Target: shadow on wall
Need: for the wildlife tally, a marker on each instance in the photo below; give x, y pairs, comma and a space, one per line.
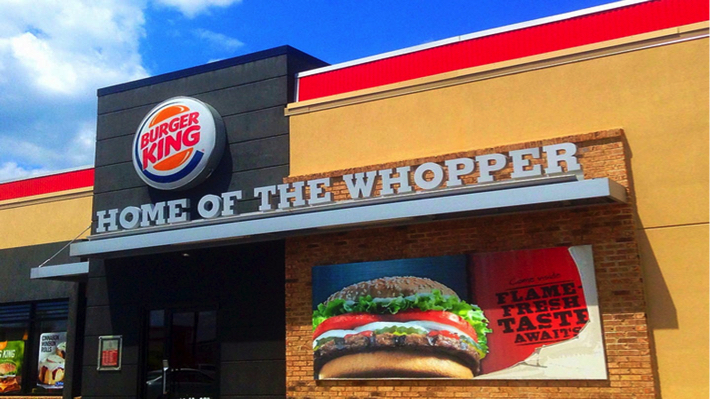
661, 312
660, 299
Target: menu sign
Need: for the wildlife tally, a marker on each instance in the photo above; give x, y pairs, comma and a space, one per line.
52, 355
526, 314
110, 352
11, 355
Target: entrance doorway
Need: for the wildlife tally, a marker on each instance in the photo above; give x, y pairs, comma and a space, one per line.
181, 354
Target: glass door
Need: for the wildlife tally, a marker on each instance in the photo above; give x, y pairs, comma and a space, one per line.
181, 354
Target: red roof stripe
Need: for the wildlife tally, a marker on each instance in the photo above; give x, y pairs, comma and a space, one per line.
47, 184
576, 31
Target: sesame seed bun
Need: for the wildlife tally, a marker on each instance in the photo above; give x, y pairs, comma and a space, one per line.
392, 286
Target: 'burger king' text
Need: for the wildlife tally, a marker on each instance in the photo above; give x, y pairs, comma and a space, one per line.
174, 135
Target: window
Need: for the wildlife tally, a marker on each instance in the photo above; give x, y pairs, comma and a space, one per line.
33, 347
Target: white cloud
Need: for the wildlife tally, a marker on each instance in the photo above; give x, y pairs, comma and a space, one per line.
80, 150
70, 149
70, 48
54, 55
12, 171
218, 41
191, 8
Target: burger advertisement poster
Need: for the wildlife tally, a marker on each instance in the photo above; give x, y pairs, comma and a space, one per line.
526, 314
52, 353
12, 353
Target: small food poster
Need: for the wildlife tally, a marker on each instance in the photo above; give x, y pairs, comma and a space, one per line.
11, 356
52, 353
110, 353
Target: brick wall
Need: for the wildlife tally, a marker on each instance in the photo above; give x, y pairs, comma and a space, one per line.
609, 228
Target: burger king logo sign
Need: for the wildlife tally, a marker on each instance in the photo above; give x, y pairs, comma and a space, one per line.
178, 144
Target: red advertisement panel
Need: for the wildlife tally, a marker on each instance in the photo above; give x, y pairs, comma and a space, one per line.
532, 298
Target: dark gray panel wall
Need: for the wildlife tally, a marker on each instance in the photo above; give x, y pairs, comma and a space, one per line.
17, 262
246, 285
250, 97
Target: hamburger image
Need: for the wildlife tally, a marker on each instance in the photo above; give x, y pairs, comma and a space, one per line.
8, 368
8, 377
398, 327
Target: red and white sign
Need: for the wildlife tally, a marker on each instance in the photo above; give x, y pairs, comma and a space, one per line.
543, 310
178, 144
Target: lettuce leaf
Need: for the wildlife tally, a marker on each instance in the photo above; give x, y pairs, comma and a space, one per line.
424, 301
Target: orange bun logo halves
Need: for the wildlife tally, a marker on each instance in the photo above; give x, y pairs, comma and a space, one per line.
178, 144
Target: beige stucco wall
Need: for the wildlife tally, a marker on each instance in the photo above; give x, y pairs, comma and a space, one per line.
43, 219
658, 95
676, 280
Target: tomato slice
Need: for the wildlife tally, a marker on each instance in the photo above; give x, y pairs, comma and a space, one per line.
353, 320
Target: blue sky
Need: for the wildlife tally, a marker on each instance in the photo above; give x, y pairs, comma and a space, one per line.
54, 55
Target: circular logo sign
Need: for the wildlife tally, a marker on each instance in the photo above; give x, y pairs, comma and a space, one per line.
178, 144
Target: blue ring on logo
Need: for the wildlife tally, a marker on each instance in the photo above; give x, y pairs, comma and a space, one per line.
175, 177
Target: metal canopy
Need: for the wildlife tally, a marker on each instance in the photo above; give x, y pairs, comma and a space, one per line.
72, 271
511, 196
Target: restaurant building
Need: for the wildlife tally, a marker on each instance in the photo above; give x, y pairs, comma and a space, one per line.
520, 212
